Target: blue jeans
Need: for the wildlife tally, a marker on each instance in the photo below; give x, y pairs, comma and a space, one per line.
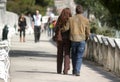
50, 32
78, 49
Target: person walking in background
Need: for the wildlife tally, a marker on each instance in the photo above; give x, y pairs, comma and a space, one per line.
37, 21
50, 27
50, 24
54, 25
79, 33
63, 42
22, 26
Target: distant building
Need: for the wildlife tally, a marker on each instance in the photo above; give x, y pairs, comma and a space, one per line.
60, 4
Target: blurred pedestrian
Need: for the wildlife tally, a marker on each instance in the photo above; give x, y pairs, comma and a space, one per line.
54, 25
63, 42
79, 33
50, 24
37, 21
22, 26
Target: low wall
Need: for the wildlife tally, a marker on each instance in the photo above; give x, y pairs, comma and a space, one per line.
105, 51
9, 19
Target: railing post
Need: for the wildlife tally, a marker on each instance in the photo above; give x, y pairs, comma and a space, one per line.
117, 56
111, 54
105, 52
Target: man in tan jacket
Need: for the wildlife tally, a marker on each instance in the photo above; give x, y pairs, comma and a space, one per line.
79, 33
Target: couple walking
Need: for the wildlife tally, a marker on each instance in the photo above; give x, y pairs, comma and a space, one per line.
70, 34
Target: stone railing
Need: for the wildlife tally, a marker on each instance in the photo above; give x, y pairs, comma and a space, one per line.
105, 51
10, 19
7, 18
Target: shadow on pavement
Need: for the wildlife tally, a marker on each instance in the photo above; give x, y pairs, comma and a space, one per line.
97, 68
52, 42
100, 70
20, 53
38, 72
42, 72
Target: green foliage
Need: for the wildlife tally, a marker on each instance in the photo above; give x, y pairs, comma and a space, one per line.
28, 6
44, 3
113, 7
107, 11
105, 30
94, 27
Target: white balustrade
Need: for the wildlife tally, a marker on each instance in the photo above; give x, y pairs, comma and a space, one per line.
105, 51
4, 60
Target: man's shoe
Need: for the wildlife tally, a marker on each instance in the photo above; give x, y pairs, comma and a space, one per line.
77, 74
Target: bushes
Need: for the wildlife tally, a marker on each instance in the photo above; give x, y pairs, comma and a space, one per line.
104, 30
28, 6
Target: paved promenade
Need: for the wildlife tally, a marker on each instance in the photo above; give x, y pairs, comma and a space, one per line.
36, 62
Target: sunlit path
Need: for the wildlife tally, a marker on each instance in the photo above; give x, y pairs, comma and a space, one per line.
36, 62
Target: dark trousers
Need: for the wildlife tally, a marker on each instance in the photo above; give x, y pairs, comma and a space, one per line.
22, 32
37, 33
63, 52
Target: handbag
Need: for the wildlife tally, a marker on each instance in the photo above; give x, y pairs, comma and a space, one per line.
51, 25
18, 29
57, 36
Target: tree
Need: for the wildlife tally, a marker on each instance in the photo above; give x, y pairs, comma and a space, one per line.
28, 6
107, 11
113, 7
44, 3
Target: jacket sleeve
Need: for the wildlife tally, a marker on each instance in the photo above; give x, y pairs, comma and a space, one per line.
66, 27
87, 30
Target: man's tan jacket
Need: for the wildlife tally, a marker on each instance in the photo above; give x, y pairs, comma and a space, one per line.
79, 28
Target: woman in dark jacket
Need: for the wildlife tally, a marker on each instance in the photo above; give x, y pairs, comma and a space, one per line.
63, 42
22, 26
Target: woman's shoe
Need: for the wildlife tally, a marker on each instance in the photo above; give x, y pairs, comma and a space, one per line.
65, 73
58, 72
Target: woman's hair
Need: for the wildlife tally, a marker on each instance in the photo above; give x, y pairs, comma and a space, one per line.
21, 17
79, 9
63, 18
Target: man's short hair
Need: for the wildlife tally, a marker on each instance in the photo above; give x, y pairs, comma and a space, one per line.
79, 9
